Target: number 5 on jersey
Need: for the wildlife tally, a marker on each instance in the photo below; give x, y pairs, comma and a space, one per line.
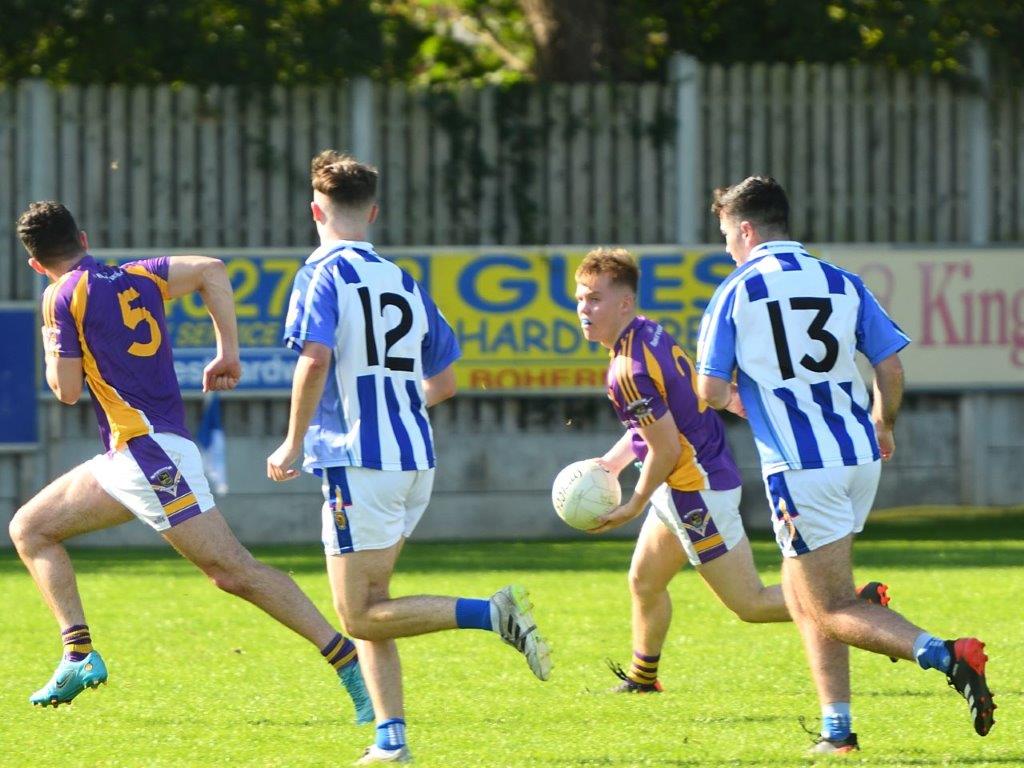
132, 316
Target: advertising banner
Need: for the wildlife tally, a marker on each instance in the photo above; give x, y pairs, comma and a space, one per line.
963, 309
513, 310
19, 421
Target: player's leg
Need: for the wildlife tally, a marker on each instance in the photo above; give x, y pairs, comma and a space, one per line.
72, 505
166, 487
828, 661
360, 581
823, 581
657, 558
811, 511
161, 480
709, 526
817, 514
208, 542
734, 579
367, 516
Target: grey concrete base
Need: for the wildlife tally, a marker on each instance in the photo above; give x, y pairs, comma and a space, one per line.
493, 479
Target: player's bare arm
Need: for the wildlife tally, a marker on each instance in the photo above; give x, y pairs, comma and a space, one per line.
619, 456
888, 389
209, 278
65, 378
718, 393
307, 388
662, 438
439, 387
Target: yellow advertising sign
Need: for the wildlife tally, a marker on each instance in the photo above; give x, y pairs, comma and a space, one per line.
514, 310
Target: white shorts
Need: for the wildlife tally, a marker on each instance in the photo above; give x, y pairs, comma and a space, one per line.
371, 508
814, 507
158, 477
708, 523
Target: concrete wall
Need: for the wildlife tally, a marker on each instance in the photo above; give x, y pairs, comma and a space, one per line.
497, 459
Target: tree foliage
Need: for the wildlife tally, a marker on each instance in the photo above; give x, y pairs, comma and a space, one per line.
197, 41
310, 41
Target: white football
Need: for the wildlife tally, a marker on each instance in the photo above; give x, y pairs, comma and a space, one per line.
582, 492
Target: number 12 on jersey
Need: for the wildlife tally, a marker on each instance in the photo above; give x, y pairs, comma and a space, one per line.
392, 336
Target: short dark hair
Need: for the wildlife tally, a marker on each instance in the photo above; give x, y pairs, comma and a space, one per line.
344, 179
618, 263
49, 232
760, 200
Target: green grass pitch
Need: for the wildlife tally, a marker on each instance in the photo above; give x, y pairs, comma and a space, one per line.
202, 679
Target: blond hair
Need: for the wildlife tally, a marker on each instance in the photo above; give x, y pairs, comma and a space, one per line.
618, 263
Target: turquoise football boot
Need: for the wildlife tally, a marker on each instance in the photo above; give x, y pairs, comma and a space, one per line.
70, 679
352, 678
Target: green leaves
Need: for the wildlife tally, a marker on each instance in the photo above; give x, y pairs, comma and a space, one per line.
425, 41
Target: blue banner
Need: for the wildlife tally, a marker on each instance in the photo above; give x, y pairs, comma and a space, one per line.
19, 425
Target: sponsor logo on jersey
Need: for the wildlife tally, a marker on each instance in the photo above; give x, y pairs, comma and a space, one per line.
111, 276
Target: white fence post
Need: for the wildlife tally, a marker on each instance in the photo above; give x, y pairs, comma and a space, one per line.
362, 121
979, 145
37, 129
684, 73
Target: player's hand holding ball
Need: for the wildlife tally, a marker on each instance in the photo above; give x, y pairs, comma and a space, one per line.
585, 491
621, 515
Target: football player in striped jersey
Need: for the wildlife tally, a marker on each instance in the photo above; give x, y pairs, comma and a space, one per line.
374, 354
789, 326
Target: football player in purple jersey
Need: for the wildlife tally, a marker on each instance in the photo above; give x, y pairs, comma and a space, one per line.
104, 326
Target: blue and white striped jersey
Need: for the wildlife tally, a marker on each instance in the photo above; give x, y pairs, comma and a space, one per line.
387, 336
792, 324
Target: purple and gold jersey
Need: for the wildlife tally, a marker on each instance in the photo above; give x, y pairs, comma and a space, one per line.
649, 376
113, 318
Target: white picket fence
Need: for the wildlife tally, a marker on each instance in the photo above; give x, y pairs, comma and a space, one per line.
866, 154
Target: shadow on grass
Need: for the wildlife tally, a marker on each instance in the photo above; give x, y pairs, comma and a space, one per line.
913, 540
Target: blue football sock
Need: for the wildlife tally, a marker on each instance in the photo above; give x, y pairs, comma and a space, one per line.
836, 720
473, 614
931, 653
391, 734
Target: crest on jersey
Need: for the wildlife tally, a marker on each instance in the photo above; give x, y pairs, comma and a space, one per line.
165, 480
338, 509
640, 408
696, 520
